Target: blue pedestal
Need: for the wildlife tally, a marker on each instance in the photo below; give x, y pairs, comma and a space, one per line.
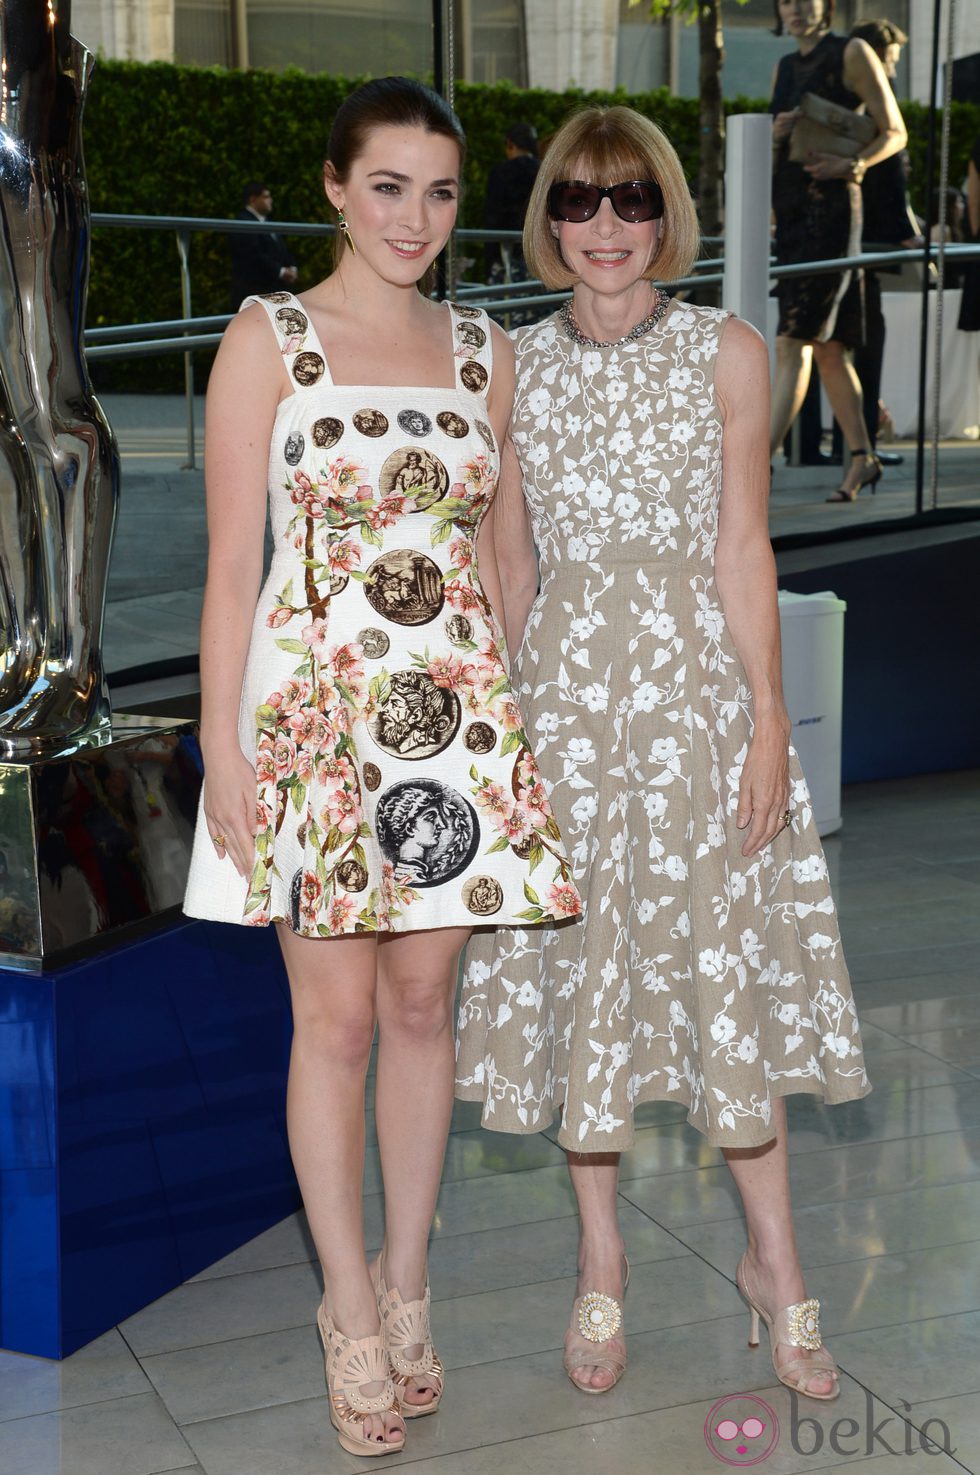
142, 1128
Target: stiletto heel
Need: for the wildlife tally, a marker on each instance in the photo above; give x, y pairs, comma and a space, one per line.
596, 1319
794, 1326
843, 494
406, 1324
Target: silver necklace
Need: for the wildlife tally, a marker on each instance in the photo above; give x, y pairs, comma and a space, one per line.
571, 327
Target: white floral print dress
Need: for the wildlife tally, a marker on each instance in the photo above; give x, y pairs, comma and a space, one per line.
395, 786
694, 974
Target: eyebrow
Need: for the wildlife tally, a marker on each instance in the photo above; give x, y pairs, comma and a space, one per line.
406, 178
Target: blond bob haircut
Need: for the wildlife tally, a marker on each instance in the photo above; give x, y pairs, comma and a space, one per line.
607, 146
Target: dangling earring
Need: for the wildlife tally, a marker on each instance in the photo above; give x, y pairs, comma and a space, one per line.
345, 228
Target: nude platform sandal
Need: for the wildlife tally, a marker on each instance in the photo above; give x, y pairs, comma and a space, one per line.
596, 1319
406, 1324
349, 1364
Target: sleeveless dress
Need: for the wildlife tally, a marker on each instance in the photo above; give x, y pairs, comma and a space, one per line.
396, 788
816, 220
696, 975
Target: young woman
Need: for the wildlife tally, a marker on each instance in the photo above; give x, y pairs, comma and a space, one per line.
818, 216
707, 969
358, 727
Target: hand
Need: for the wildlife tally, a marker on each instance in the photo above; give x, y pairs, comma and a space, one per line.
230, 806
782, 124
828, 166
763, 795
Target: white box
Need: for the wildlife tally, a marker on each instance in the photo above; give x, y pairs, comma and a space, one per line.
812, 631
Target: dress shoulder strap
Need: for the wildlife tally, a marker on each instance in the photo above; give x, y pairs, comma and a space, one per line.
472, 349
302, 352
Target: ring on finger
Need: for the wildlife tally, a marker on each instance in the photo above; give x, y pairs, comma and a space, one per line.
220, 841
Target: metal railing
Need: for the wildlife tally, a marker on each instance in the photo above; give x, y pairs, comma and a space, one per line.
187, 334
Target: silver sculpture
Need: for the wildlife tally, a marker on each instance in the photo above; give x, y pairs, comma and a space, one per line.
59, 465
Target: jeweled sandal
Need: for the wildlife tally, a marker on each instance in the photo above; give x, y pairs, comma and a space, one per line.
349, 1364
405, 1324
794, 1326
596, 1319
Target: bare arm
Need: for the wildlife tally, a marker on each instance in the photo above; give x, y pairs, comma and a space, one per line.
243, 392
745, 572
864, 74
495, 576
973, 199
515, 560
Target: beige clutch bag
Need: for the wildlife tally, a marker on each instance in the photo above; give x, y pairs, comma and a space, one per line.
827, 128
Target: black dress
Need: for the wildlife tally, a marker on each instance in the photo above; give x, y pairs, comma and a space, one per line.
969, 319
815, 219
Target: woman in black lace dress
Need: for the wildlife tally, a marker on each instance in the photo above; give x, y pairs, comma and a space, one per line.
818, 216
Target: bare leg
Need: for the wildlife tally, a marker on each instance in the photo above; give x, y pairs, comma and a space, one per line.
793, 363
414, 1099
600, 1254
762, 1177
332, 984
844, 392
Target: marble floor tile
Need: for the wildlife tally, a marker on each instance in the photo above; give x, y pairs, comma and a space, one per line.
839, 1173
287, 1243
934, 1358
488, 1203
872, 993
285, 1439
913, 1065
105, 1369
900, 884
959, 1044
134, 1435
856, 1229
231, 1377
480, 1154
961, 1415
891, 1110
896, 1290
226, 1307
906, 962
907, 1021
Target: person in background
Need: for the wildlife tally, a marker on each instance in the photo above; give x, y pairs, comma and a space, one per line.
508, 191
888, 224
260, 262
969, 318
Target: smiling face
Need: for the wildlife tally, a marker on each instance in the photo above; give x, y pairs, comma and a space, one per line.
399, 200
606, 253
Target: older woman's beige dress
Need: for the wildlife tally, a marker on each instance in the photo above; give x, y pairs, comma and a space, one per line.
695, 974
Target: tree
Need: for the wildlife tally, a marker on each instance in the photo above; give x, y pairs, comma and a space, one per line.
711, 51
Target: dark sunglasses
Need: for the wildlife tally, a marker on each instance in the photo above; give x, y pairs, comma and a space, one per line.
635, 200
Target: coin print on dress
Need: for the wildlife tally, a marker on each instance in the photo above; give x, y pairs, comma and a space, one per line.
405, 586
371, 775
480, 737
276, 296
370, 422
466, 312
474, 376
416, 718
327, 431
295, 896
351, 875
374, 643
459, 630
486, 435
413, 422
452, 424
291, 320
471, 334
414, 473
293, 449
482, 895
337, 581
427, 830
308, 368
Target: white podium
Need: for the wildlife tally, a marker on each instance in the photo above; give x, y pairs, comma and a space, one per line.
812, 631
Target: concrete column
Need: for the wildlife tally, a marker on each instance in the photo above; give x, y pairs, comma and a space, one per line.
748, 196
126, 30
571, 43
966, 40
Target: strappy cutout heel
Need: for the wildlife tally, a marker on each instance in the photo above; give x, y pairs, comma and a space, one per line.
871, 478
794, 1326
405, 1324
596, 1319
350, 1363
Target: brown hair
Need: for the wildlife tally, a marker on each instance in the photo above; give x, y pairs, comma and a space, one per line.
879, 34
827, 22
605, 146
386, 102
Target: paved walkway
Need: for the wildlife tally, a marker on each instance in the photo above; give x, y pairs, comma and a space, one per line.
160, 550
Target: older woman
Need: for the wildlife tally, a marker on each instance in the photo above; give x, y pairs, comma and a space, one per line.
708, 967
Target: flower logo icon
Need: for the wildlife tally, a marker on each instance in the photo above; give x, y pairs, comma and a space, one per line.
741, 1430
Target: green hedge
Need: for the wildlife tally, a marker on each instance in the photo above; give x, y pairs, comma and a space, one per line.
169, 140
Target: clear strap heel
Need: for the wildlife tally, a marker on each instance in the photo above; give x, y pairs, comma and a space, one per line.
794, 1326
596, 1320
